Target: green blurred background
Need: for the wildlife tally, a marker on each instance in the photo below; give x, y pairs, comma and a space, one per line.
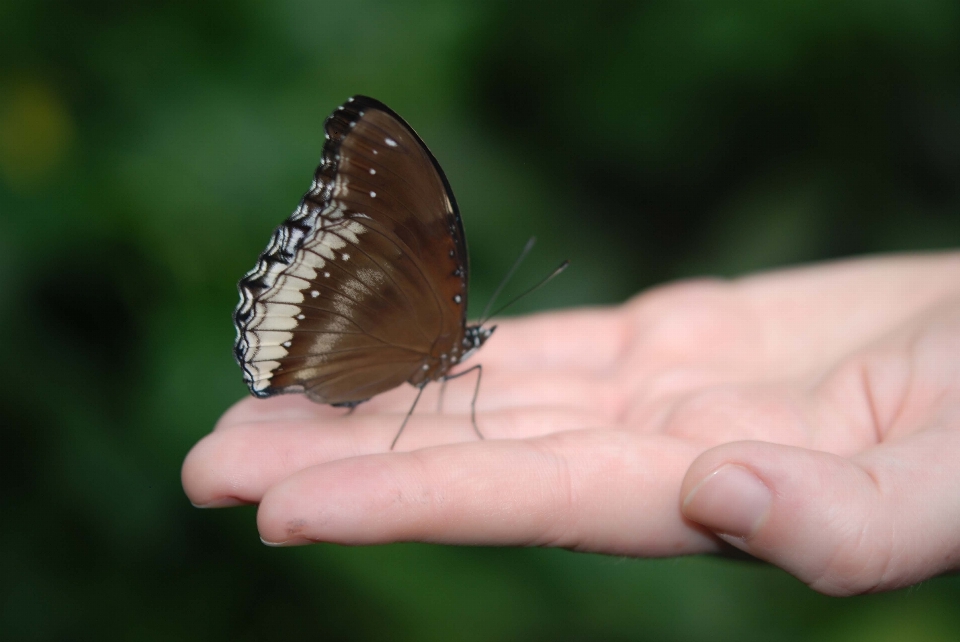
148, 149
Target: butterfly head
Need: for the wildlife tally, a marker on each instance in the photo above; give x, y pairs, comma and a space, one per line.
474, 336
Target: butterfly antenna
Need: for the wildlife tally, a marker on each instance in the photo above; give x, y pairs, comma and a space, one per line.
503, 282
560, 268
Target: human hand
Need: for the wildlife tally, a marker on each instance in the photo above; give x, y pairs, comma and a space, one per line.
808, 417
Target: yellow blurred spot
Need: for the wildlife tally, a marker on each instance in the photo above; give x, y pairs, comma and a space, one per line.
35, 134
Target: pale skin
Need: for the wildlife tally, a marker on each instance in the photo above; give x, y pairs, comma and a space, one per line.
808, 417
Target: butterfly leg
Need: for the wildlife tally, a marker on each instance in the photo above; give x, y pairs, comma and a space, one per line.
407, 418
350, 405
443, 390
476, 391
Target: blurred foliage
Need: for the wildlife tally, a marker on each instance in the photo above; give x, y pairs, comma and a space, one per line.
148, 149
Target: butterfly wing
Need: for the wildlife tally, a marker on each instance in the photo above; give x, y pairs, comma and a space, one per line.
364, 286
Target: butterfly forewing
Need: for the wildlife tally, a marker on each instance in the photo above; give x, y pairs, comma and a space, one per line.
364, 286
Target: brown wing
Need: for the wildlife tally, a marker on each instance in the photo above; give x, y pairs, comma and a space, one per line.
364, 286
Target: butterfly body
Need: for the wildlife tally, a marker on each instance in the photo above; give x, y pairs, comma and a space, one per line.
364, 286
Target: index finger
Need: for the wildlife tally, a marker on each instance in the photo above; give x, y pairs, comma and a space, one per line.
587, 340
598, 490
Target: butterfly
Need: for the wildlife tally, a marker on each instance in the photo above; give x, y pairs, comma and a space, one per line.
364, 286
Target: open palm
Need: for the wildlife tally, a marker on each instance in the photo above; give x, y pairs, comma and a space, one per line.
809, 417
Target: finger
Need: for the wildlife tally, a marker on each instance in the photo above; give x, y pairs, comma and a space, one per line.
588, 490
588, 340
236, 465
858, 291
276, 410
874, 522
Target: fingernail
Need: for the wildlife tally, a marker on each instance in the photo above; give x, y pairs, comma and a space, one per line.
223, 502
729, 501
294, 541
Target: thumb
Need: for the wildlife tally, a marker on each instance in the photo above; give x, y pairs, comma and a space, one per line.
887, 518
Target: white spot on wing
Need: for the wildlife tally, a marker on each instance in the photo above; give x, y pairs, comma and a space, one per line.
270, 353
372, 171
373, 194
324, 251
322, 343
285, 295
340, 185
300, 270
281, 317
350, 231
346, 257
389, 141
330, 240
375, 277
314, 294
272, 339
